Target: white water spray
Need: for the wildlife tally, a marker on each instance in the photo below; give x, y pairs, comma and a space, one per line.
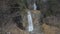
30, 23
34, 5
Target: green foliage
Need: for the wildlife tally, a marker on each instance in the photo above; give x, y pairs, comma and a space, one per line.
22, 4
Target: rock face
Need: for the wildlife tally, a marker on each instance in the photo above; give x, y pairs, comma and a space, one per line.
37, 27
53, 20
35, 18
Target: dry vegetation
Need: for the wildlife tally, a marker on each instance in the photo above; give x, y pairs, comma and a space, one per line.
47, 29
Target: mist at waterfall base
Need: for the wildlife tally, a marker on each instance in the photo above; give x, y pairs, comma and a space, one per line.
30, 23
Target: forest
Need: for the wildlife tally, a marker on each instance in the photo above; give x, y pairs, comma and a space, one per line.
14, 16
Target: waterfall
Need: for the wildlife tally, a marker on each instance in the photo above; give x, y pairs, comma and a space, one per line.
30, 23
8, 32
34, 5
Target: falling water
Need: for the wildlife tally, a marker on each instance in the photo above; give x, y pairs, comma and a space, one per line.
30, 23
34, 5
8, 32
